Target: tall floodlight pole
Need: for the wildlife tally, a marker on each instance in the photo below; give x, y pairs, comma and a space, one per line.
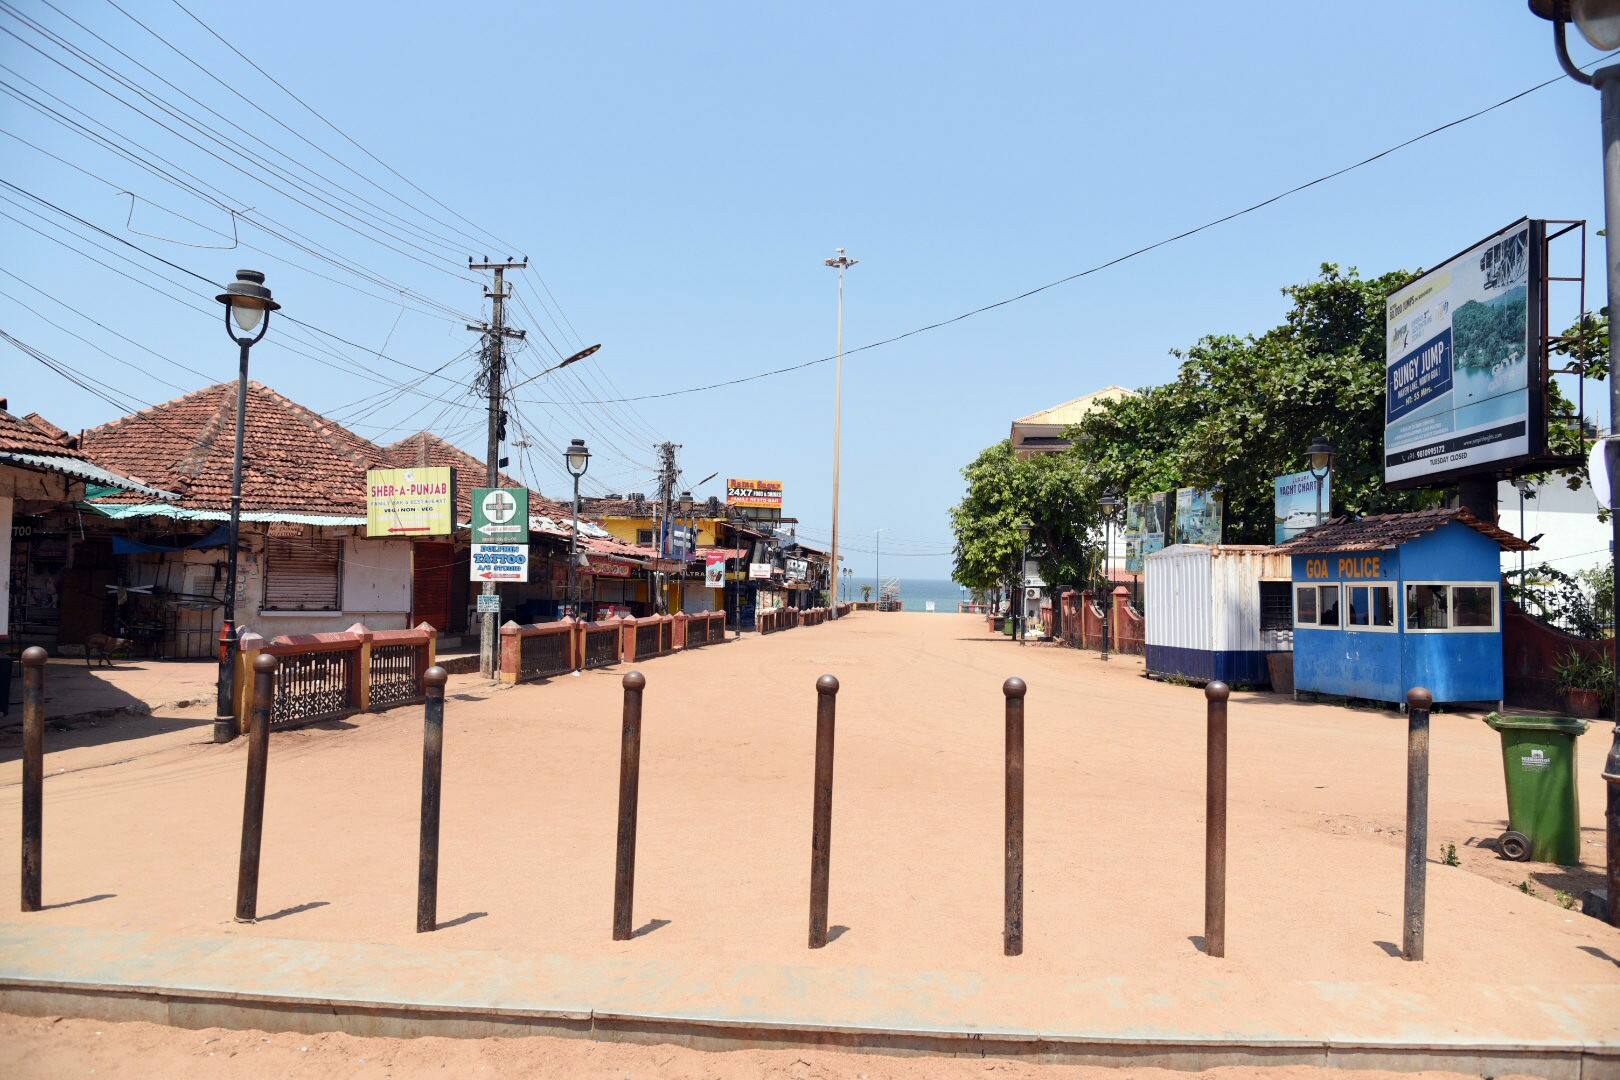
578, 458
1599, 22
247, 303
841, 262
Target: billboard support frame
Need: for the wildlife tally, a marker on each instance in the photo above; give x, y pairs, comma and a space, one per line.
1538, 344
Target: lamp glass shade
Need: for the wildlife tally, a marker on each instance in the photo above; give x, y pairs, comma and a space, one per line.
246, 315
1599, 22
1320, 454
577, 457
1023, 530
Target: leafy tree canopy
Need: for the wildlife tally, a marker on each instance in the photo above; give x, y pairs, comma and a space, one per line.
1240, 412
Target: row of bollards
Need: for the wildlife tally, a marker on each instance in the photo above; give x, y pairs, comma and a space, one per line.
1216, 694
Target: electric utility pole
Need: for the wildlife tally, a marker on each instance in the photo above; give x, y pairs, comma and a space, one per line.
495, 335
667, 474
841, 262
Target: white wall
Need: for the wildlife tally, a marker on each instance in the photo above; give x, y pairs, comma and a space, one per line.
377, 576
1573, 538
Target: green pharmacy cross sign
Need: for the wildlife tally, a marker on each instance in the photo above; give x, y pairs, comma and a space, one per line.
500, 515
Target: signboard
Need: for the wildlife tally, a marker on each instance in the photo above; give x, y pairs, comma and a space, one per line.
607, 567
681, 541
1294, 504
1462, 383
500, 562
762, 493
714, 570
1198, 516
500, 514
759, 571
798, 569
1136, 516
1156, 523
489, 603
410, 502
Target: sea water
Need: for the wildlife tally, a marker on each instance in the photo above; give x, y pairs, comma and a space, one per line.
916, 592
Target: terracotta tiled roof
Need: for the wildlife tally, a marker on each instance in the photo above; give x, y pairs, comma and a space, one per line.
1381, 532
293, 458
34, 435
427, 449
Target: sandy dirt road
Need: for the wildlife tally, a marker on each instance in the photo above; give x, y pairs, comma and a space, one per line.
139, 840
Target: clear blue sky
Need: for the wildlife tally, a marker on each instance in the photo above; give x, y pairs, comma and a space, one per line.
677, 174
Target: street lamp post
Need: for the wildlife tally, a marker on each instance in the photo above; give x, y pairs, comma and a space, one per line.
1599, 22
841, 262
1109, 504
1022, 625
1320, 456
578, 458
877, 574
248, 304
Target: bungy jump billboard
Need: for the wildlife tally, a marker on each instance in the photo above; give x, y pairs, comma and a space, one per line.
1463, 378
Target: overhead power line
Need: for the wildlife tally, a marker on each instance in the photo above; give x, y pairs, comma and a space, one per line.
345, 135
1115, 261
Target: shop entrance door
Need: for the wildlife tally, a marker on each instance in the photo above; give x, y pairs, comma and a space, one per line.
431, 566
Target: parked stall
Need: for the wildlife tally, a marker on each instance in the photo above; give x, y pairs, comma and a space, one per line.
1393, 601
1216, 611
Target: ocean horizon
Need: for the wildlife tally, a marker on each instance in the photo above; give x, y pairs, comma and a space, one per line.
915, 593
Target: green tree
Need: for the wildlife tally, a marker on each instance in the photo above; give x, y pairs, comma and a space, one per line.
1051, 491
1242, 410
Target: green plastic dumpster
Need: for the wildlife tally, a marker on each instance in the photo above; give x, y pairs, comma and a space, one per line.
1544, 812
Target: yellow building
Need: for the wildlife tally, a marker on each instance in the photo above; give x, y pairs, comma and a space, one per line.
1042, 432
634, 520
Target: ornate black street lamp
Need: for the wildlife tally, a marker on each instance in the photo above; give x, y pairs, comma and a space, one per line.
247, 304
578, 458
1320, 456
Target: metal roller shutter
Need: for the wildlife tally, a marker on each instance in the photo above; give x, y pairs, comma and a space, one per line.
303, 575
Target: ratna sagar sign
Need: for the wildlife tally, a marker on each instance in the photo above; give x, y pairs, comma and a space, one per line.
410, 502
766, 494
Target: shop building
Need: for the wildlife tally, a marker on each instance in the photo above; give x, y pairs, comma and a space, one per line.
55, 575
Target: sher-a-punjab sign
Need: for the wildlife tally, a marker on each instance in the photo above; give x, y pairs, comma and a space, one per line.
410, 502
762, 493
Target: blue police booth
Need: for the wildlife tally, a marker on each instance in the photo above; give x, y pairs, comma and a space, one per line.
1389, 602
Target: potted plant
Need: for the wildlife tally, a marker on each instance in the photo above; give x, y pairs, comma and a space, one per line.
1586, 683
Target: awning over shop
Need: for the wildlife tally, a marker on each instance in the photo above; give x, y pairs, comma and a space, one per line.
122, 511
702, 554
80, 469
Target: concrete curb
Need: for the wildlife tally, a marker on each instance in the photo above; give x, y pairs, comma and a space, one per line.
185, 1007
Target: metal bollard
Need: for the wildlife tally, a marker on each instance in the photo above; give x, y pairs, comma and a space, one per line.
1418, 701
1012, 930
821, 827
624, 874
33, 793
427, 864
1215, 694
247, 873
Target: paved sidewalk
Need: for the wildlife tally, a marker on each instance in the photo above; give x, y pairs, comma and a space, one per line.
371, 989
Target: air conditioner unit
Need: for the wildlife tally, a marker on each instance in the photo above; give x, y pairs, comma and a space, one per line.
1032, 593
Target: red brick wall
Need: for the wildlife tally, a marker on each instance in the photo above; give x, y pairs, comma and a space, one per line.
1530, 649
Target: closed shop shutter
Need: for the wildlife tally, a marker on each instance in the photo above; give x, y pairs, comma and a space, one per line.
303, 575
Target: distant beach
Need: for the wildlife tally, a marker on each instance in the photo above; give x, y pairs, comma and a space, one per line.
916, 592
